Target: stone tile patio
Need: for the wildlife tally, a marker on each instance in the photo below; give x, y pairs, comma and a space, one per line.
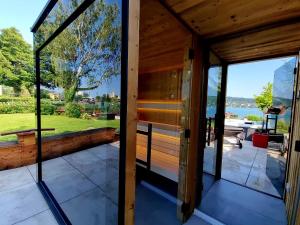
85, 185
249, 166
85, 182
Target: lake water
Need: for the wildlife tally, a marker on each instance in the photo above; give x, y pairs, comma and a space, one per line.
240, 112
244, 112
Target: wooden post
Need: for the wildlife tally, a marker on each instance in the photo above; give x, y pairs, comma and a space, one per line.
26, 138
131, 117
27, 143
292, 194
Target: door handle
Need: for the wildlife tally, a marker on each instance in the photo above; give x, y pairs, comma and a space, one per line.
297, 146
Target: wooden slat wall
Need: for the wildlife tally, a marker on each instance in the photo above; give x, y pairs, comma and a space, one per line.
266, 43
164, 86
162, 43
244, 30
162, 39
293, 176
211, 18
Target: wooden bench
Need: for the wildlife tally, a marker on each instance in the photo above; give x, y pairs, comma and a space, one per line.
26, 137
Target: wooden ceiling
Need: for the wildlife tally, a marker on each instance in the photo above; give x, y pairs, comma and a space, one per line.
241, 30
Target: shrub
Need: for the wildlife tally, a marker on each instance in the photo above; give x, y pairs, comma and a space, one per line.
86, 116
47, 108
254, 118
73, 110
282, 126
16, 99
8, 107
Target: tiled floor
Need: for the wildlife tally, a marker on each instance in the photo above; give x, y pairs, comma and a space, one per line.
237, 205
85, 185
248, 166
158, 210
85, 182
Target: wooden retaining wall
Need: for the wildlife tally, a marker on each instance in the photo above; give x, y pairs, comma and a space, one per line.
24, 152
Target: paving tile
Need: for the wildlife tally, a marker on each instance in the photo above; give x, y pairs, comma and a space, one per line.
262, 183
14, 178
63, 180
108, 153
237, 177
67, 186
52, 168
99, 171
21, 203
158, 210
44, 218
94, 207
234, 204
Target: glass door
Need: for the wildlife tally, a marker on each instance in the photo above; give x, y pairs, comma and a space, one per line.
214, 123
78, 62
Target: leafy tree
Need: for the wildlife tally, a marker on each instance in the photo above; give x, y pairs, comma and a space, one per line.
264, 100
16, 59
87, 52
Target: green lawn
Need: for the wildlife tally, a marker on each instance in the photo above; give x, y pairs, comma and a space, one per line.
62, 124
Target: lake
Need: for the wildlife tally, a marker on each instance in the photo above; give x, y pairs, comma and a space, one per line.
244, 112
240, 112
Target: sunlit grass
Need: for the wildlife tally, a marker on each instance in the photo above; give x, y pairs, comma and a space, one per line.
62, 124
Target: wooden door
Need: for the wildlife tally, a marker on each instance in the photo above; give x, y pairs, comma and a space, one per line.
292, 194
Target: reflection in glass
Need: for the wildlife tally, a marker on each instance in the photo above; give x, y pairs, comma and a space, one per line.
80, 102
213, 91
59, 13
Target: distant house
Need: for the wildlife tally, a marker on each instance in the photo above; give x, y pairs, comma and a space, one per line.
54, 96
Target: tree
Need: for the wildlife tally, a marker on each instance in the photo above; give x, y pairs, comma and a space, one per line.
265, 99
87, 52
16, 59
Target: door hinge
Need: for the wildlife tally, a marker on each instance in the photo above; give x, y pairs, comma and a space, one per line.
191, 53
187, 133
295, 70
185, 207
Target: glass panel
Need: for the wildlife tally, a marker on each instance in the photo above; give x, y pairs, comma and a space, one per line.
159, 104
212, 107
213, 92
80, 107
60, 12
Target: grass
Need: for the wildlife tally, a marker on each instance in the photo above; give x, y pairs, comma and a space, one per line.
62, 124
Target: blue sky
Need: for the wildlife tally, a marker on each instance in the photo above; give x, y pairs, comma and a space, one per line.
244, 80
20, 14
248, 79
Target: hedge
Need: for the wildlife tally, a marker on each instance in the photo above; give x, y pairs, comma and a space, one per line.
17, 107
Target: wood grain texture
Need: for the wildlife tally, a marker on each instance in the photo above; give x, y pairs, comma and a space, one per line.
131, 117
274, 26
265, 43
183, 183
211, 18
293, 173
23, 153
162, 39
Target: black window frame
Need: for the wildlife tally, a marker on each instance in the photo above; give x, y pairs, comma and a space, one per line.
53, 204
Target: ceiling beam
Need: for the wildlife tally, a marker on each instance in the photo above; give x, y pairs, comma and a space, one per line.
252, 30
